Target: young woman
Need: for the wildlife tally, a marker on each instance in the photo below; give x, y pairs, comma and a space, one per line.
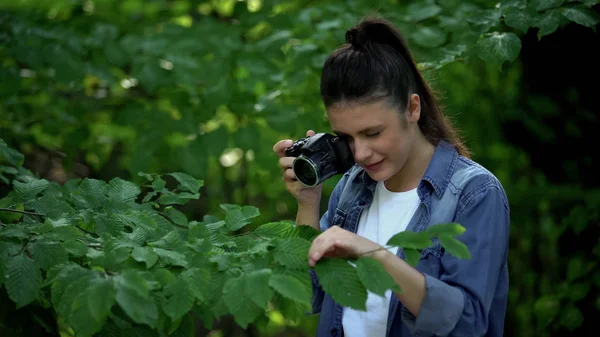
411, 171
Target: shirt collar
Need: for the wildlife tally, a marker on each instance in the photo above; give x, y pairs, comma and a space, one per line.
441, 167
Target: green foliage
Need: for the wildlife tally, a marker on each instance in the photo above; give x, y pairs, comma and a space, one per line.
145, 264
206, 88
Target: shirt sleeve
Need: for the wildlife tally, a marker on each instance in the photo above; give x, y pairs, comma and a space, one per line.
458, 304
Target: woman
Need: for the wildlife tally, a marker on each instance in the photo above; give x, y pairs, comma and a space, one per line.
411, 171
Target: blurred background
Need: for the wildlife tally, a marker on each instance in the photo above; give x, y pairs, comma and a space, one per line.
111, 88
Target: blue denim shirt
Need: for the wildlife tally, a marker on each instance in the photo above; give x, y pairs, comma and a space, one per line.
463, 297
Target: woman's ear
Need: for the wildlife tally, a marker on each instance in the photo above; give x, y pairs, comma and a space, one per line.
414, 108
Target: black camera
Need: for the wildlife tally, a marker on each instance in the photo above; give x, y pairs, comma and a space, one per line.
319, 157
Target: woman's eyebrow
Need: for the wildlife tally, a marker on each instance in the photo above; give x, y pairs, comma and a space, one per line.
363, 131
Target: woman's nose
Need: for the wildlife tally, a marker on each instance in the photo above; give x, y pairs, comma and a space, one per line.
361, 151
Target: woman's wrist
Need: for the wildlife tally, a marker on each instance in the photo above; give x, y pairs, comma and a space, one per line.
382, 255
309, 205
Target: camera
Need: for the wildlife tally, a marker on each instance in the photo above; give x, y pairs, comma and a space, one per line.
319, 157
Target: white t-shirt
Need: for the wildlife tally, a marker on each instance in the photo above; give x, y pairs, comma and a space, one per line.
388, 215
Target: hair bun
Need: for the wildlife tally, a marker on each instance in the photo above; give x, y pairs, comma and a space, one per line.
356, 37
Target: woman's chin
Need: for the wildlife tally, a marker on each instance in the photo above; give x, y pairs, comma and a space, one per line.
379, 175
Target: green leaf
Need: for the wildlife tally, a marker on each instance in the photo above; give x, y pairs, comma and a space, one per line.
237, 218
250, 212
159, 184
16, 232
375, 278
340, 280
91, 193
455, 247
307, 232
199, 281
484, 20
50, 206
3, 264
177, 216
171, 198
518, 18
301, 275
578, 267
292, 253
170, 241
91, 306
541, 5
46, 254
23, 280
548, 22
582, 15
187, 182
133, 297
238, 299
230, 207
499, 47
429, 37
276, 229
178, 299
198, 230
75, 248
29, 190
418, 11
589, 3
223, 261
7, 216
546, 308
291, 288
169, 257
123, 190
571, 318
186, 327
145, 255
410, 239
257, 284
412, 256
452, 229
10, 155
100, 299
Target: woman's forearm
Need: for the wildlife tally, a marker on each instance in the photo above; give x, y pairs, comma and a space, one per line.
410, 280
308, 215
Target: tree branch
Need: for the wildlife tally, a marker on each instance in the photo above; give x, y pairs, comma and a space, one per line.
22, 212
86, 231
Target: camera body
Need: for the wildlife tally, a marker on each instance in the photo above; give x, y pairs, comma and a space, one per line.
319, 157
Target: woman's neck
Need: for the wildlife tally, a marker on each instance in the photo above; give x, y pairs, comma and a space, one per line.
412, 172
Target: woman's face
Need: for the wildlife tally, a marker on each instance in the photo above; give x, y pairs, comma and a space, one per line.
379, 136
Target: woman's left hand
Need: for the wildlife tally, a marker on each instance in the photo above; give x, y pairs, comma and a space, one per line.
338, 242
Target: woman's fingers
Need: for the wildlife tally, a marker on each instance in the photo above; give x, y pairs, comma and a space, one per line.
289, 175
281, 145
321, 246
286, 162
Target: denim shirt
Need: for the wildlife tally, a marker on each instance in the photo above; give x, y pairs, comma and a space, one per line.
463, 297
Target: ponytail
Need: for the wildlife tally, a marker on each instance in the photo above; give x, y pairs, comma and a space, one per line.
375, 63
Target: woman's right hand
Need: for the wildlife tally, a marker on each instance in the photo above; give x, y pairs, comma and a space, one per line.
309, 196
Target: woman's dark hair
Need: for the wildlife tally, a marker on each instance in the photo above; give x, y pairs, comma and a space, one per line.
376, 64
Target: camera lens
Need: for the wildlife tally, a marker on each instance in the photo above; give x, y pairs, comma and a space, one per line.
306, 171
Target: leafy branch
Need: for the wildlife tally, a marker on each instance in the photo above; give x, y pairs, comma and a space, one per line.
157, 266
21, 212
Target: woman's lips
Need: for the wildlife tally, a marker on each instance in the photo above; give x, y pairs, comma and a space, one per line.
373, 167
